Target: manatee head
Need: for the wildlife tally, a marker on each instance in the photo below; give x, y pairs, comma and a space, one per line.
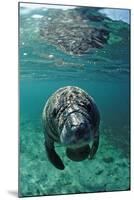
76, 131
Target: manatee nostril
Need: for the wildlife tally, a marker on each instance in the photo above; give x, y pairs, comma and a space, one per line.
79, 131
79, 134
82, 126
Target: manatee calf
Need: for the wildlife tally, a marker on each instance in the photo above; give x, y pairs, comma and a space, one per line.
71, 118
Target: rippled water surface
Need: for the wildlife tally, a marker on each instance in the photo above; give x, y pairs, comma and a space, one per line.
105, 74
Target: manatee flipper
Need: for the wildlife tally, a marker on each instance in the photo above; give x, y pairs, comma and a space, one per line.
94, 147
78, 154
52, 155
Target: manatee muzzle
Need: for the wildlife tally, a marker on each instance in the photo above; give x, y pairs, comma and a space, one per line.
76, 131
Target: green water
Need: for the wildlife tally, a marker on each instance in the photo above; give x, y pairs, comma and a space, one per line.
105, 75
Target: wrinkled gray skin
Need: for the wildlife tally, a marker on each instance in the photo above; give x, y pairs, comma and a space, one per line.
71, 118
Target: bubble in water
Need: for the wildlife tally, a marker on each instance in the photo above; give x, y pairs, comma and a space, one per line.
25, 54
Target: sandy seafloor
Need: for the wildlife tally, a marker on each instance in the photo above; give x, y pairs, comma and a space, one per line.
108, 171
105, 74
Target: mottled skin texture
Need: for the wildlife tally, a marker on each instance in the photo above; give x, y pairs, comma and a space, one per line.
71, 33
71, 118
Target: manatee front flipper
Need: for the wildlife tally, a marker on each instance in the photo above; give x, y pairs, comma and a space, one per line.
78, 154
94, 147
52, 155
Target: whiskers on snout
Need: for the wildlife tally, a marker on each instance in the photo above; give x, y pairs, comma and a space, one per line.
76, 131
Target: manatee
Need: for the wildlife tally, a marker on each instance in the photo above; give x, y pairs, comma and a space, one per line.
71, 118
72, 33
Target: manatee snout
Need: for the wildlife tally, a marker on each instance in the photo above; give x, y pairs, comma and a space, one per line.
76, 131
81, 131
